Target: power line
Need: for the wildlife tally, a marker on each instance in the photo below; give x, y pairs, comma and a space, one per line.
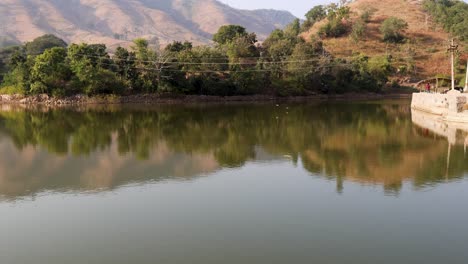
232, 71
167, 60
203, 63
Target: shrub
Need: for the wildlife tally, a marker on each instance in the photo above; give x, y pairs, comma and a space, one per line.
104, 82
333, 29
392, 29
11, 89
358, 31
380, 68
367, 14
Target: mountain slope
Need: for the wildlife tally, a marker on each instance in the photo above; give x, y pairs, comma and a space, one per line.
116, 22
426, 43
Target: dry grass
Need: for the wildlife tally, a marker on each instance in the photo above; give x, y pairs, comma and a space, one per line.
426, 41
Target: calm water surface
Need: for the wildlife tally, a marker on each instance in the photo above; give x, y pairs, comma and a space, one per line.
297, 183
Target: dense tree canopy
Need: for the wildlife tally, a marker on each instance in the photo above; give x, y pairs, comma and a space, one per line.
451, 14
316, 13
40, 44
284, 64
50, 72
228, 33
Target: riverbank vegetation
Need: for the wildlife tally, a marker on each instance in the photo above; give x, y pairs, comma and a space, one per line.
237, 64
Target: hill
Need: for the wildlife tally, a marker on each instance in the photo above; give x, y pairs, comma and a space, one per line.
424, 48
115, 22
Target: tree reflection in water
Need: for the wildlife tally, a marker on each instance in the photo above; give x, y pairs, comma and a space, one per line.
105, 147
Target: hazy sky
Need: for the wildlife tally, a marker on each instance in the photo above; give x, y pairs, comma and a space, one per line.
297, 7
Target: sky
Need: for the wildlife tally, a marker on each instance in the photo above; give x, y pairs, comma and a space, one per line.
297, 7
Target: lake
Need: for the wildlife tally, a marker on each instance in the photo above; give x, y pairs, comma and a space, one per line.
320, 182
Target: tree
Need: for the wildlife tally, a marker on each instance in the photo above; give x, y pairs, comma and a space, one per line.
146, 80
18, 79
50, 72
392, 29
206, 74
178, 46
317, 13
242, 47
92, 66
293, 29
336, 14
18, 67
228, 33
40, 44
452, 15
125, 66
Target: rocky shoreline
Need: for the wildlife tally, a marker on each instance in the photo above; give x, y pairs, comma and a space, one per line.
47, 100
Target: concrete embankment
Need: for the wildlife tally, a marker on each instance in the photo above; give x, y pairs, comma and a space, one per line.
450, 106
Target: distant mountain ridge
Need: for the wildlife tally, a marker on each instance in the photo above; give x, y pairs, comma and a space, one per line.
116, 22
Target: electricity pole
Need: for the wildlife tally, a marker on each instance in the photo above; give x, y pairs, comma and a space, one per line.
466, 80
453, 49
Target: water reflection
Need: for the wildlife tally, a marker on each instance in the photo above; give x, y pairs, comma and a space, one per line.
101, 148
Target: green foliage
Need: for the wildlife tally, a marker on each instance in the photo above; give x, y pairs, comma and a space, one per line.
206, 74
284, 64
146, 67
18, 68
50, 72
242, 47
358, 31
392, 29
177, 46
303, 67
338, 11
380, 67
293, 29
317, 13
228, 33
333, 29
40, 44
104, 82
367, 14
90, 65
275, 37
125, 66
11, 90
452, 15
5, 59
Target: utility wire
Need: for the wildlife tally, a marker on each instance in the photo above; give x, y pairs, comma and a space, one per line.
202, 63
167, 69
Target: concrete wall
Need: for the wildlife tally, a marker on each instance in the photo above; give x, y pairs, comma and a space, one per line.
439, 104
